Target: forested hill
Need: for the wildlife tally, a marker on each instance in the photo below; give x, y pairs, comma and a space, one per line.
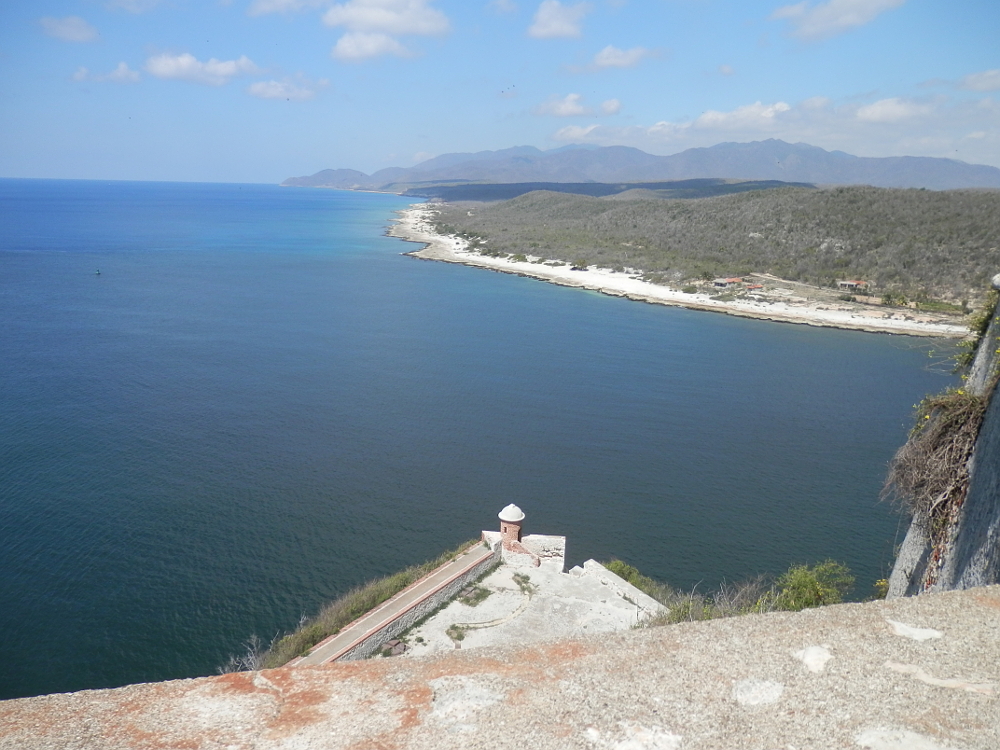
943, 245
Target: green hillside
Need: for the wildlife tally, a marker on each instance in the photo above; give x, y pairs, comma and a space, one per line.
924, 244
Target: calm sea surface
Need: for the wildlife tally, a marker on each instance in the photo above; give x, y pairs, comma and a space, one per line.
259, 403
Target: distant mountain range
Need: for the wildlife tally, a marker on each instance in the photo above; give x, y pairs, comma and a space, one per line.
759, 160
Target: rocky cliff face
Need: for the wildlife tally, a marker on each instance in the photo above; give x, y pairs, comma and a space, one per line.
967, 552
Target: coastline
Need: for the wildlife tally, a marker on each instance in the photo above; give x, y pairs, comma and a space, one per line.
414, 225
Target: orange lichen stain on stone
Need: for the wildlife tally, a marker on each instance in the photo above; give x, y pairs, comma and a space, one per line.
988, 597
17, 717
300, 696
236, 682
138, 739
558, 654
416, 701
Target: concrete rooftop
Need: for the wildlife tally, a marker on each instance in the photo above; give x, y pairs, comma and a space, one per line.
559, 605
920, 673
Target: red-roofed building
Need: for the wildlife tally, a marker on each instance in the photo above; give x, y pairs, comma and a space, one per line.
854, 285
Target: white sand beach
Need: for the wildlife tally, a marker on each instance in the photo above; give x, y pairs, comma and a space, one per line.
778, 301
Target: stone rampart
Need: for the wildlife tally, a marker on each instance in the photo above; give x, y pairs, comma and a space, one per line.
913, 673
371, 643
530, 551
647, 605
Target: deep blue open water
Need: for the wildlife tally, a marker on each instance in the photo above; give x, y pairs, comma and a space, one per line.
259, 403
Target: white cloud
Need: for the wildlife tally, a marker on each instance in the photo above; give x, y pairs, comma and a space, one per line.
355, 46
396, 17
132, 6
988, 80
186, 67
372, 26
121, 74
612, 57
575, 133
748, 116
502, 6
263, 7
957, 128
569, 106
287, 90
553, 19
892, 110
611, 107
832, 17
69, 29
814, 102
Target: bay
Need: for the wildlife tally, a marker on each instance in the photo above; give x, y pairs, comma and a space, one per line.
259, 402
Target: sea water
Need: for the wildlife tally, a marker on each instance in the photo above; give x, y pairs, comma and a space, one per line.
260, 402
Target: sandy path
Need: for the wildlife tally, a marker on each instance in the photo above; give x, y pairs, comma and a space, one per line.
414, 225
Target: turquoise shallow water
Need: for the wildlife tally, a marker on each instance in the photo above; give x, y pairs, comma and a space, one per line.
259, 403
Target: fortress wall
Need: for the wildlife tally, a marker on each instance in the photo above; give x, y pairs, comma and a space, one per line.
420, 609
916, 672
647, 605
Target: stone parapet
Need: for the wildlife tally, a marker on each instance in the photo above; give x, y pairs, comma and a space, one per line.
531, 551
916, 672
646, 605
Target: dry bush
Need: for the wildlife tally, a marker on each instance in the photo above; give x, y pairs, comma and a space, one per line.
929, 475
250, 660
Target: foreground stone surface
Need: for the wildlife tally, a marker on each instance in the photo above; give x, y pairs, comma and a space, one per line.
909, 674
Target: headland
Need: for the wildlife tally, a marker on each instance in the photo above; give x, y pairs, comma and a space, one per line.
780, 301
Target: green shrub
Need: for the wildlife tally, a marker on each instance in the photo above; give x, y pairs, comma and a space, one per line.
478, 595
523, 581
979, 323
801, 587
628, 573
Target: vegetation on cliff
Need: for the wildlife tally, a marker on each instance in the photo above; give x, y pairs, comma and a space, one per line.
929, 476
333, 617
916, 243
800, 587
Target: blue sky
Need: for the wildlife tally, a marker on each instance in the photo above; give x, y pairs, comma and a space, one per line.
260, 90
